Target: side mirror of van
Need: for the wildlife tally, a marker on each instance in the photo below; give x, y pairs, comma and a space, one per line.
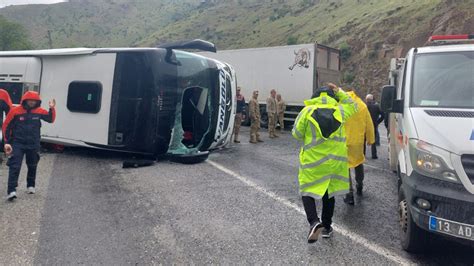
389, 103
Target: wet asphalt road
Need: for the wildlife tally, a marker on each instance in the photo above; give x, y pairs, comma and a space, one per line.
242, 206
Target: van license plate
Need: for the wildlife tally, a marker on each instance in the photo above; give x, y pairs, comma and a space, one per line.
451, 228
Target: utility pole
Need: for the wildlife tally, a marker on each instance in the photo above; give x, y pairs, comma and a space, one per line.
50, 40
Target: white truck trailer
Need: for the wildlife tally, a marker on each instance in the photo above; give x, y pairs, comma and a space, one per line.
433, 141
293, 71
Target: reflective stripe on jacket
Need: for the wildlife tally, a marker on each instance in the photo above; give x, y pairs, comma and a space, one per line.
323, 159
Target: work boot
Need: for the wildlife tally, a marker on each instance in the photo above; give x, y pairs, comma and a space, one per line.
349, 198
275, 136
314, 232
259, 139
253, 139
359, 190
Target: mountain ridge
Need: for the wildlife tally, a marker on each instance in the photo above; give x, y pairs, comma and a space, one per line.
368, 32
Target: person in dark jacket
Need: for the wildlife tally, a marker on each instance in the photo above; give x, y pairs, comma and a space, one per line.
239, 115
21, 131
377, 118
5, 107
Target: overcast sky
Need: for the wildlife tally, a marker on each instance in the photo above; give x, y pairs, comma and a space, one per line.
4, 3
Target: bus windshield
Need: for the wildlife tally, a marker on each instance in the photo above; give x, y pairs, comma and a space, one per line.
444, 80
193, 112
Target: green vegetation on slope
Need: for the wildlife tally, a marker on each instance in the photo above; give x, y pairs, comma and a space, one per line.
13, 36
103, 23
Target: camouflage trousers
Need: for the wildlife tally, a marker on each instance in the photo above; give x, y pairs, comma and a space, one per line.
254, 127
281, 120
272, 124
237, 124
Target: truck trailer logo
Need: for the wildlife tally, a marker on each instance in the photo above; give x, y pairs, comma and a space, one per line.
302, 58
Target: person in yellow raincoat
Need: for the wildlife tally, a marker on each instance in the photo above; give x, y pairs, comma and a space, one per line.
359, 131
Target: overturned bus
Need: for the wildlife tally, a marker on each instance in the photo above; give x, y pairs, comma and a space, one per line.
152, 101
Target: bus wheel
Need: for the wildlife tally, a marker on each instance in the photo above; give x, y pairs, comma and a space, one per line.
413, 239
192, 158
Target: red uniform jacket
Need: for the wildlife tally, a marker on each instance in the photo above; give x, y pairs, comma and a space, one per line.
23, 124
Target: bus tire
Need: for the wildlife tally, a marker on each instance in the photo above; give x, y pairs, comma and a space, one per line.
192, 158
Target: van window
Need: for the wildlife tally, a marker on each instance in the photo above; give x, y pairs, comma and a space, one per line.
443, 80
84, 97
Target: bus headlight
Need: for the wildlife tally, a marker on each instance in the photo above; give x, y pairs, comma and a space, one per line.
431, 161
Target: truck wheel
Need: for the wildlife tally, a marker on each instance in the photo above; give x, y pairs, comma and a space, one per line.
413, 239
246, 121
263, 118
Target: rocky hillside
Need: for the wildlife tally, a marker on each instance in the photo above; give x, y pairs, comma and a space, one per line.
369, 32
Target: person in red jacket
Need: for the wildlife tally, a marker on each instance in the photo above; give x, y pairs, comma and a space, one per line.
21, 133
5, 107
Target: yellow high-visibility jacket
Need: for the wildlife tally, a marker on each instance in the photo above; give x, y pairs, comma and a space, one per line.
359, 129
323, 160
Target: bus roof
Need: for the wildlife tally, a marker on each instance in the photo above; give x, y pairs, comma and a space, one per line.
69, 51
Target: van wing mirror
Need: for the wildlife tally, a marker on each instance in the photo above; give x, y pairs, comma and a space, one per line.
196, 44
389, 103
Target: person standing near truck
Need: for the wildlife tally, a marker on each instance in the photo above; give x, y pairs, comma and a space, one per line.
359, 131
239, 115
281, 108
323, 172
272, 114
377, 118
254, 113
22, 133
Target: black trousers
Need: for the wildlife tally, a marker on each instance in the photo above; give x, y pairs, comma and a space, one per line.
374, 150
359, 176
309, 204
15, 162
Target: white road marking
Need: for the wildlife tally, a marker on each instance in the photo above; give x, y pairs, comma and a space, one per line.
377, 168
338, 228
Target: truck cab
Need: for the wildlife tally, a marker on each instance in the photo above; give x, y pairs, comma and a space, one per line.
433, 136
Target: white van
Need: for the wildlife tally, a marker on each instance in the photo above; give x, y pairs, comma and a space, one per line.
433, 134
141, 100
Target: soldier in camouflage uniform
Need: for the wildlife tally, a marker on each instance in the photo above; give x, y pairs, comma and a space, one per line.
254, 113
272, 114
281, 108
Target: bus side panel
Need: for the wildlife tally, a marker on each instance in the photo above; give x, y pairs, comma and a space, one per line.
58, 73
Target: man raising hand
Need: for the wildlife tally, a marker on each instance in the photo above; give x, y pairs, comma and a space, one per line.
22, 134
